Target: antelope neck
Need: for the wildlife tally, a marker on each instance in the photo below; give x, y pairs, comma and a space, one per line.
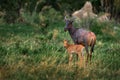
72, 30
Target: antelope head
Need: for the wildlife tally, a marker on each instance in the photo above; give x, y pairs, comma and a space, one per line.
68, 23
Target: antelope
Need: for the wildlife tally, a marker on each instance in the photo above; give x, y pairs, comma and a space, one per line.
81, 36
74, 49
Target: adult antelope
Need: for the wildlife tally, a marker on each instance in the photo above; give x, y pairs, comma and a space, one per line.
81, 36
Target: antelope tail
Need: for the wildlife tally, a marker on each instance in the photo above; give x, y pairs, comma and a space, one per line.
93, 41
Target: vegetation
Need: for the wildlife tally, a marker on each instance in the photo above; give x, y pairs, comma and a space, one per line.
34, 53
11, 11
31, 42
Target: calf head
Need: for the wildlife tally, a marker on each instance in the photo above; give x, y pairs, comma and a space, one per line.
65, 43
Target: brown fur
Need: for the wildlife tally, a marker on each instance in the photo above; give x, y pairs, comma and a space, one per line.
91, 38
91, 42
74, 49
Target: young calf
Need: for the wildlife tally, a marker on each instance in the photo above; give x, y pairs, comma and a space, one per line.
74, 49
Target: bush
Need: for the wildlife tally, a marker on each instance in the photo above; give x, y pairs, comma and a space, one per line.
47, 16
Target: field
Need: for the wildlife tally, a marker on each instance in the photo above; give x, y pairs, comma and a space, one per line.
37, 53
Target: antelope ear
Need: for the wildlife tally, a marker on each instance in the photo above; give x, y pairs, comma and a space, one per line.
65, 18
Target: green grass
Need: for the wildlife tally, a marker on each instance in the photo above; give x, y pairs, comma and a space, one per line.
35, 53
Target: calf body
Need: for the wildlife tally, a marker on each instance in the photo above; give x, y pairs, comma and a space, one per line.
74, 49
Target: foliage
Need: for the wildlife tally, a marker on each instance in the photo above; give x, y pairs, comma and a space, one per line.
30, 53
43, 18
32, 48
13, 8
116, 4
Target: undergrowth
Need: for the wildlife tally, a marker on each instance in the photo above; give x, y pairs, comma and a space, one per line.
34, 53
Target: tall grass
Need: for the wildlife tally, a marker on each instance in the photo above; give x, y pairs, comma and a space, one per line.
31, 53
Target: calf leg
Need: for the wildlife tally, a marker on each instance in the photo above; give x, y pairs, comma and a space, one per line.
77, 56
81, 60
70, 58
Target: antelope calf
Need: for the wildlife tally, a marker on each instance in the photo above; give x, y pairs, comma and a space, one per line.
74, 49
